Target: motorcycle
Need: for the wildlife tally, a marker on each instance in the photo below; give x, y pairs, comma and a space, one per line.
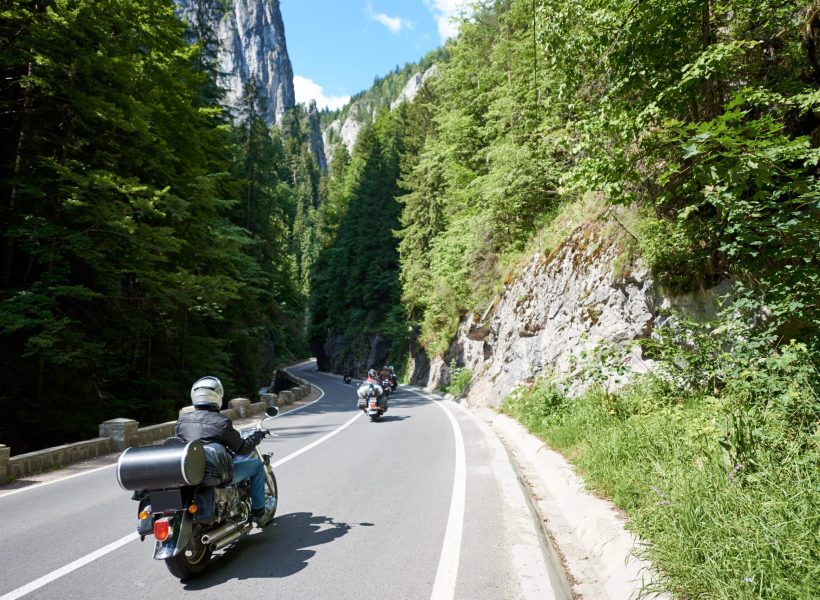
372, 400
348, 375
186, 500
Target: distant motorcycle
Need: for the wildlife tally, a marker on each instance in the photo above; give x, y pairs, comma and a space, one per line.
372, 400
347, 376
186, 499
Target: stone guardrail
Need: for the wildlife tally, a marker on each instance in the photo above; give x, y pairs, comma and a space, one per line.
118, 434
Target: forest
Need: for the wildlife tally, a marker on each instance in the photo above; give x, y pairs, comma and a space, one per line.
147, 234
698, 123
149, 237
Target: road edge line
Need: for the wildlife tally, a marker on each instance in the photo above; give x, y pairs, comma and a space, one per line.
100, 552
70, 567
444, 585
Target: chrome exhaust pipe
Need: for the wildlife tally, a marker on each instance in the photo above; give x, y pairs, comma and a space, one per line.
225, 540
217, 534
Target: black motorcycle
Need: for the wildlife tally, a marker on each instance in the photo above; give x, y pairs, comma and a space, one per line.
186, 500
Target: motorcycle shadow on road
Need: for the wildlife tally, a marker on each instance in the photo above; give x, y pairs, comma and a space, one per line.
281, 549
389, 418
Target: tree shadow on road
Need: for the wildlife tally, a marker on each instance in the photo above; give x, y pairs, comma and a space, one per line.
281, 549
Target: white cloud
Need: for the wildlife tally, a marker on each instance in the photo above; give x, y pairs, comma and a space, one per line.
307, 90
394, 24
444, 12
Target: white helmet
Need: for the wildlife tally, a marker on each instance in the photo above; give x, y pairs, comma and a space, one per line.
207, 392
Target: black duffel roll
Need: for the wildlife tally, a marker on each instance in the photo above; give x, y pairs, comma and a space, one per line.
218, 465
158, 467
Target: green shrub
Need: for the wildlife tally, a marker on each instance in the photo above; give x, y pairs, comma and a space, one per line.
459, 379
714, 458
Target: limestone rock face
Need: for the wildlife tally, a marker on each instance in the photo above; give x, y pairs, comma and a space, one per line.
361, 114
336, 354
559, 307
413, 85
251, 47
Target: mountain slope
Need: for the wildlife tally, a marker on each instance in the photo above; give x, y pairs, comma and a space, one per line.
247, 38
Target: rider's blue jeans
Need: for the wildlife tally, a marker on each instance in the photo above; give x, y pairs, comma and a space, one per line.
250, 467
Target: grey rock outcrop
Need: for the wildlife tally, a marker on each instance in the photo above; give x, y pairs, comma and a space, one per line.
337, 354
360, 114
413, 85
561, 306
251, 48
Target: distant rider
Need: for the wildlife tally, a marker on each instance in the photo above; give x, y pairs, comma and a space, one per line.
372, 376
206, 424
371, 385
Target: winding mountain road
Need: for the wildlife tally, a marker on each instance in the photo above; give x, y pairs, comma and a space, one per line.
423, 504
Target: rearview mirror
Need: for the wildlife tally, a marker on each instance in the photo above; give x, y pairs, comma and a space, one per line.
271, 411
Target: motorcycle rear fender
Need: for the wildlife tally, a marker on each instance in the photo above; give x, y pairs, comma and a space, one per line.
182, 527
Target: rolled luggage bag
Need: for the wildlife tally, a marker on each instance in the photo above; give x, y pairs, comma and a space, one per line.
164, 466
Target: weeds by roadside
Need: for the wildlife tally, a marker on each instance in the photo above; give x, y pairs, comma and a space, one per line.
714, 457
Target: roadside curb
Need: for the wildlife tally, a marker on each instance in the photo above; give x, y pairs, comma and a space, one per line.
586, 532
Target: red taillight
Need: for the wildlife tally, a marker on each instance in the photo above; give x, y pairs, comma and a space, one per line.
372, 405
161, 530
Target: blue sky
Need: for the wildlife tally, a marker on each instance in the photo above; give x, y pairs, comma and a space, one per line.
338, 47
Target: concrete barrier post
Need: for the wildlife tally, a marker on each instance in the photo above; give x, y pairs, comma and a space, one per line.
124, 432
242, 406
287, 396
5, 453
269, 399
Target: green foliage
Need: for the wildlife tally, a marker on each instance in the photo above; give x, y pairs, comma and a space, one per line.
733, 467
460, 378
144, 240
704, 114
355, 285
701, 118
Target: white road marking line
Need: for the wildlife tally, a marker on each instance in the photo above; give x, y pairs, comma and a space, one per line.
444, 587
447, 573
316, 443
80, 562
34, 486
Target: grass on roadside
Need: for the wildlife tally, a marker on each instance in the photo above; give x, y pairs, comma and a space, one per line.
717, 529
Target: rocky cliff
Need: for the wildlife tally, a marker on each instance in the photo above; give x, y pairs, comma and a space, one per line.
250, 40
560, 306
363, 110
413, 85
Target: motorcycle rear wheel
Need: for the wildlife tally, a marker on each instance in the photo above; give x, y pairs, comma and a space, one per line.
191, 561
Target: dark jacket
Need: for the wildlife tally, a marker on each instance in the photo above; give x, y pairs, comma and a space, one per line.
211, 426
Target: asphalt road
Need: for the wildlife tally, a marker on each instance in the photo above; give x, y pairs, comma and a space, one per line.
423, 504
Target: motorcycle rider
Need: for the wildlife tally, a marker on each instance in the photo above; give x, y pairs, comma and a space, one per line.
206, 424
376, 384
373, 378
